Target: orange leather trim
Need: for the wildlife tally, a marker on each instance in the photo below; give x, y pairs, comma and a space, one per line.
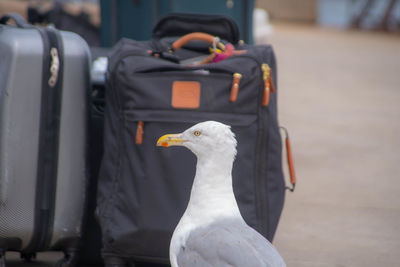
234, 92
186, 94
139, 133
290, 162
267, 92
271, 83
235, 87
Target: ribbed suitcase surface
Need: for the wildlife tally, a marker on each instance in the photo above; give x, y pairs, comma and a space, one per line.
44, 82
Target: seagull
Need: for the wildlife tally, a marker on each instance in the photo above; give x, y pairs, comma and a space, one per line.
212, 232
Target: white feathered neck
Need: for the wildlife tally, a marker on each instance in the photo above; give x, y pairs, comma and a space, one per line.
212, 192
212, 196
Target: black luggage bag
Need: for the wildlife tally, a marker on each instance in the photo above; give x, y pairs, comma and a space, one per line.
159, 87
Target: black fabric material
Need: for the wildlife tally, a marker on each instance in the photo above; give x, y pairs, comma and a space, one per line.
90, 249
178, 24
143, 190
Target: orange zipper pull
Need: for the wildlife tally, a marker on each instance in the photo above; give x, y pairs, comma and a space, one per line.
268, 84
139, 133
290, 161
235, 87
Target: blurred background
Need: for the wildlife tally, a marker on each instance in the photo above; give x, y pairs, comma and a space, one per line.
339, 96
103, 22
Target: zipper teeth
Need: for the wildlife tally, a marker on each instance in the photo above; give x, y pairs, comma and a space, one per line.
209, 67
261, 183
199, 72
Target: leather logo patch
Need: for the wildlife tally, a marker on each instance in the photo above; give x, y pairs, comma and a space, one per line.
186, 94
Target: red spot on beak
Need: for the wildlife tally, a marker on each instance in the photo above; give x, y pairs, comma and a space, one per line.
165, 144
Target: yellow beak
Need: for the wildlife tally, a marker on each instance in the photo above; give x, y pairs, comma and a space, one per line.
170, 140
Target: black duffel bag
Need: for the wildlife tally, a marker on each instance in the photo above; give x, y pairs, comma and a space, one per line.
167, 85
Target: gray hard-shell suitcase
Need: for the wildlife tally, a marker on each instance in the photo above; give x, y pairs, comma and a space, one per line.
44, 82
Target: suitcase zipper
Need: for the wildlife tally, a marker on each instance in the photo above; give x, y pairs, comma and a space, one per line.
268, 84
144, 116
236, 76
176, 67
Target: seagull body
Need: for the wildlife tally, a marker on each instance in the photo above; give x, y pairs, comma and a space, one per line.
212, 231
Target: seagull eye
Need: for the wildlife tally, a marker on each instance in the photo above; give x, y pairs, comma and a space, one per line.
197, 133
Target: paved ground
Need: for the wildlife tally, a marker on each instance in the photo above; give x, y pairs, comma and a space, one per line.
43, 260
340, 98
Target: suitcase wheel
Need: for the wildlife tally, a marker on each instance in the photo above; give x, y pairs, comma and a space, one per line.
70, 260
28, 257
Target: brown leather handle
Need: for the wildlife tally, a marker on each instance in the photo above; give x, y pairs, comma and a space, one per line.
198, 36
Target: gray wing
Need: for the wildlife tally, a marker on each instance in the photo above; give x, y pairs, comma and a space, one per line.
228, 243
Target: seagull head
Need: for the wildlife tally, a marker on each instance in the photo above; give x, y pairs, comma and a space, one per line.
204, 139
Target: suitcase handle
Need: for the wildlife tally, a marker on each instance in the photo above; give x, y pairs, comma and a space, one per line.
17, 18
179, 24
197, 36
